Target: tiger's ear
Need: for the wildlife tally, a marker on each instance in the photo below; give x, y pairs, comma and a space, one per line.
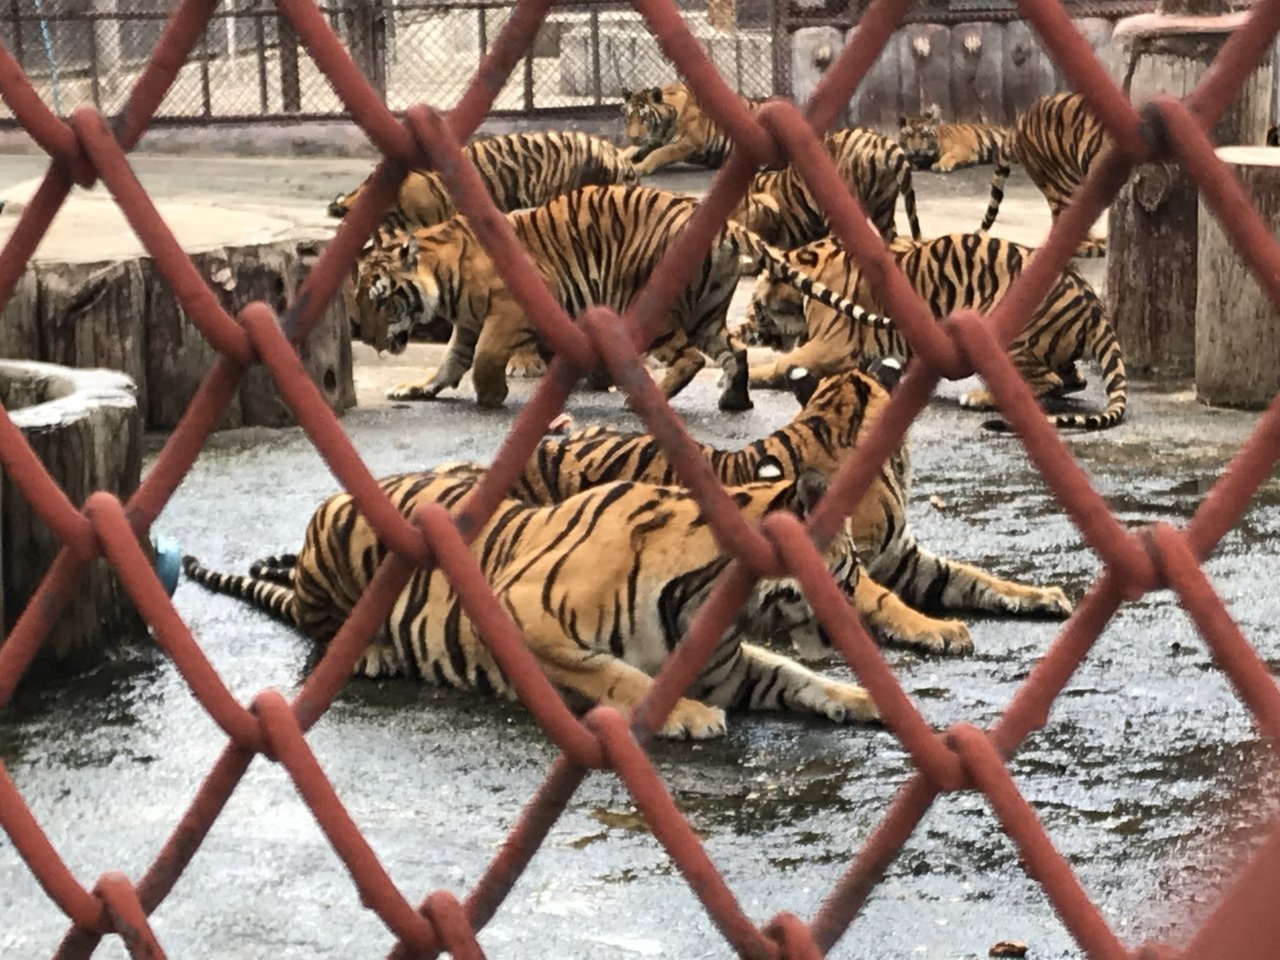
902, 121
626, 94
811, 484
931, 114
769, 468
802, 383
655, 94
409, 253
887, 370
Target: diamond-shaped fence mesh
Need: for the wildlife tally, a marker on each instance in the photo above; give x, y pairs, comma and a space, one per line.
86, 148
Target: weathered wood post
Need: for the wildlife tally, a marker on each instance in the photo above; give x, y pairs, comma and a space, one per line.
1152, 237
1237, 329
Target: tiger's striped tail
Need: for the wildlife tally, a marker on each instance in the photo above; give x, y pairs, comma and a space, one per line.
271, 598
1105, 349
278, 568
909, 200
764, 257
1004, 164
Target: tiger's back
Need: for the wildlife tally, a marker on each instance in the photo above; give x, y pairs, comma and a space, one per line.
1057, 141
968, 270
519, 170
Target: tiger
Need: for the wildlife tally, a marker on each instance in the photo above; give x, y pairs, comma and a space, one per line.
1056, 140
596, 245
780, 207
836, 413
520, 170
1273, 136
960, 270
943, 147
602, 587
665, 125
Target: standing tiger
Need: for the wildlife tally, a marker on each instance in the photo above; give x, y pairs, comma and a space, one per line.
665, 125
520, 170
1057, 140
837, 411
780, 207
969, 270
602, 587
943, 147
597, 245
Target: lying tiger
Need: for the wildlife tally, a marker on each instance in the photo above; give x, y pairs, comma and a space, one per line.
601, 586
665, 125
1057, 141
837, 411
968, 270
520, 170
781, 208
597, 245
943, 147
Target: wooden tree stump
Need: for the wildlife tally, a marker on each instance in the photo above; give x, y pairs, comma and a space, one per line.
1237, 329
86, 428
92, 297
1152, 235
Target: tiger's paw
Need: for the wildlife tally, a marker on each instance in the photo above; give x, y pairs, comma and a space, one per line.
1043, 602
944, 165
691, 720
415, 390
940, 636
978, 400
526, 365
847, 703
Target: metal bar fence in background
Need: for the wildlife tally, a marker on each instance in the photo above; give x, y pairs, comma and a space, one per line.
964, 758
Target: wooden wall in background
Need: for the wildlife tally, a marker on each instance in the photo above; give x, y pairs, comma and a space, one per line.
980, 71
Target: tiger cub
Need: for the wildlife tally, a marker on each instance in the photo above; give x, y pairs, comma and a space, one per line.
519, 169
599, 620
597, 245
665, 125
1057, 141
943, 147
781, 208
836, 412
961, 270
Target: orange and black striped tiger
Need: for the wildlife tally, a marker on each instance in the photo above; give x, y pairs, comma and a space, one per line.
594, 246
837, 411
665, 125
520, 170
969, 270
601, 586
781, 208
943, 147
1057, 140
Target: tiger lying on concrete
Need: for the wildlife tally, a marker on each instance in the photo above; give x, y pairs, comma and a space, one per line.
602, 587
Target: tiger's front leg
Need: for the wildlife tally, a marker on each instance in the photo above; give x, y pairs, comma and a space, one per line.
457, 361
504, 333
683, 367
769, 681
663, 156
812, 355
892, 619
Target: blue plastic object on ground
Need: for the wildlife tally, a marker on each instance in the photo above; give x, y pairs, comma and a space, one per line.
168, 563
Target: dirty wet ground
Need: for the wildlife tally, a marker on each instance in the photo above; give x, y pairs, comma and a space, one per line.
1147, 770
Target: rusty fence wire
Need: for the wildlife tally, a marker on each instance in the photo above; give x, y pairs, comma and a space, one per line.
87, 148
248, 63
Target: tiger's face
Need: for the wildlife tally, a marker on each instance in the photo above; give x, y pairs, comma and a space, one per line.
918, 136
649, 120
775, 316
392, 295
784, 613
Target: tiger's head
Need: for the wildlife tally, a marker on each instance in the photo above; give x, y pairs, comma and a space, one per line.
650, 120
846, 403
776, 313
400, 282
918, 136
780, 610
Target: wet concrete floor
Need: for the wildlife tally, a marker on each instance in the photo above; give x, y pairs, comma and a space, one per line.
1147, 770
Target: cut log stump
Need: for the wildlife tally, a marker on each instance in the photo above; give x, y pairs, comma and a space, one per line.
93, 297
85, 427
1237, 327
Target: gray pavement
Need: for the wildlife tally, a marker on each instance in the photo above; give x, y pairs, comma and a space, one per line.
1147, 772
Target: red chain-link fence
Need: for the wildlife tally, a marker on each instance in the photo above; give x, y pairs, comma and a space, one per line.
88, 148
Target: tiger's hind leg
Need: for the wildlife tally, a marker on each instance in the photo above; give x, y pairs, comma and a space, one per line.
1042, 381
684, 366
526, 364
764, 680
